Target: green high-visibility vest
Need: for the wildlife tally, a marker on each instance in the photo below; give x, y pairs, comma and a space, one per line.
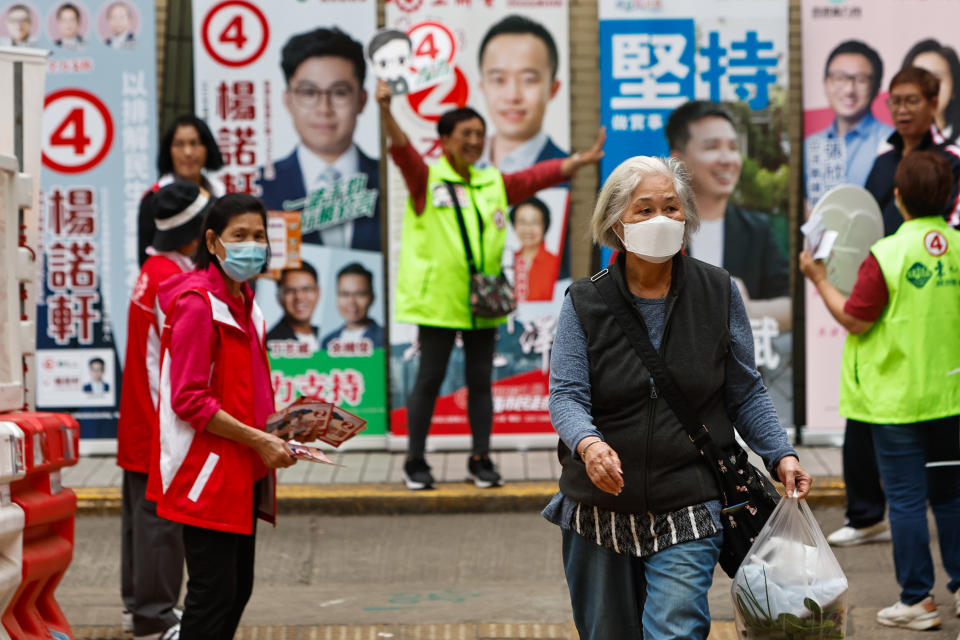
433, 279
906, 368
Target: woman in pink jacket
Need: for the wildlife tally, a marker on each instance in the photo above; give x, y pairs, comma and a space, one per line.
214, 463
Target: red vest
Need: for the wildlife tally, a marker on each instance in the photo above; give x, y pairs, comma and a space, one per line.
141, 371
198, 478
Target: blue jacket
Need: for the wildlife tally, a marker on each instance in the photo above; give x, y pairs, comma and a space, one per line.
287, 184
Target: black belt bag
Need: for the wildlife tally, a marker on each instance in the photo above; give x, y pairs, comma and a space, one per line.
491, 296
748, 495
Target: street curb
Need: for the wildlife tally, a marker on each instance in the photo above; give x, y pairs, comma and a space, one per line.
394, 498
720, 630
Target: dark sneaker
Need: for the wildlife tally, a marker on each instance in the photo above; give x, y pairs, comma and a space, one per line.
483, 473
416, 475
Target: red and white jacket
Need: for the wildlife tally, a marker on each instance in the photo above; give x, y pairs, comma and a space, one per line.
141, 372
213, 356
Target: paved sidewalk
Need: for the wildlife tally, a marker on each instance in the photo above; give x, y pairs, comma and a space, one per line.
370, 482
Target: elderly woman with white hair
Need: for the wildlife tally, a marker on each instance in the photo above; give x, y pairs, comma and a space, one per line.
638, 505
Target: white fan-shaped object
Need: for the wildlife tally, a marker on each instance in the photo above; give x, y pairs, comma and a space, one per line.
854, 215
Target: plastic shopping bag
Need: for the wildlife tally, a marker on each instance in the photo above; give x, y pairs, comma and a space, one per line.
790, 586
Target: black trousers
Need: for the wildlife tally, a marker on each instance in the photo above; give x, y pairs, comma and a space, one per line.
220, 581
866, 502
151, 559
435, 346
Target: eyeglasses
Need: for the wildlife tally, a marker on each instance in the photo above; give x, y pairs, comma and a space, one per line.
910, 103
861, 80
308, 96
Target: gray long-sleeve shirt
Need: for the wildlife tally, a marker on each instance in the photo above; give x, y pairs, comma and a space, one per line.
747, 402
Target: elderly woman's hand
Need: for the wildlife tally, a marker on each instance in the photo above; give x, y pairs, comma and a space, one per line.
603, 464
794, 476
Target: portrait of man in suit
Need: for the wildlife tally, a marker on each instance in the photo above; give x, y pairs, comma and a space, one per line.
69, 23
97, 385
120, 25
704, 136
326, 172
298, 292
518, 78
19, 23
354, 299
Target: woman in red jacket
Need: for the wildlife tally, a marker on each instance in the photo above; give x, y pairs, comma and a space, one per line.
215, 461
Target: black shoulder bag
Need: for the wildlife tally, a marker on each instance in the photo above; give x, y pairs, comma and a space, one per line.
748, 495
490, 296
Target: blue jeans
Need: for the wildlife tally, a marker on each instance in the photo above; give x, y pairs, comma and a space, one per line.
663, 596
902, 454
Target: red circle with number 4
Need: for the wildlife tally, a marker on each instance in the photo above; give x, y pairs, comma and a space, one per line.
235, 43
935, 243
77, 131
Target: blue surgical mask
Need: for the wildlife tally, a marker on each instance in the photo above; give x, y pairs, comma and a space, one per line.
244, 259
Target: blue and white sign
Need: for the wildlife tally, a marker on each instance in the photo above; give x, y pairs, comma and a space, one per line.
99, 142
655, 56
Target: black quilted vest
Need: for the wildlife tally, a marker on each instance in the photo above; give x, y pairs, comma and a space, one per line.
662, 469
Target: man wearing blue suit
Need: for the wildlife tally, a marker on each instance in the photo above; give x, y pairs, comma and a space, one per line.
97, 385
518, 77
325, 70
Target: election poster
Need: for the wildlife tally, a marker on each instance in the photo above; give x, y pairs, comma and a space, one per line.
851, 52
509, 61
99, 153
707, 83
288, 94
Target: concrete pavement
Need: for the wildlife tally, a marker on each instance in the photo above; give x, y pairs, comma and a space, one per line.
472, 576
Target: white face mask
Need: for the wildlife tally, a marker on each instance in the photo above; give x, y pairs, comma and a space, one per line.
655, 240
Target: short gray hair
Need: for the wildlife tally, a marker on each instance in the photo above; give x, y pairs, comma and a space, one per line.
618, 191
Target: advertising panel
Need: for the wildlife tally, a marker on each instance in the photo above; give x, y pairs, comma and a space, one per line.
286, 91
851, 52
519, 83
656, 57
99, 153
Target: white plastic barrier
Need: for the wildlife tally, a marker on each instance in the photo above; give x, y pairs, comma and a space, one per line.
22, 75
12, 468
17, 331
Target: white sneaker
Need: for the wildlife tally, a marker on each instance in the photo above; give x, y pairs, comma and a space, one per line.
847, 536
956, 603
922, 615
126, 621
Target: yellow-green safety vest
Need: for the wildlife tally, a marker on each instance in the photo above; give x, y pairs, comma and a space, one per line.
906, 367
433, 279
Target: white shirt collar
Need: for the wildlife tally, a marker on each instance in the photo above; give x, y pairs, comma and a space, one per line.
313, 166
182, 261
522, 157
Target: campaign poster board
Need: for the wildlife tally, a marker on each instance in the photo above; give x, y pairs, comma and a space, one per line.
523, 127
657, 56
848, 90
99, 156
308, 147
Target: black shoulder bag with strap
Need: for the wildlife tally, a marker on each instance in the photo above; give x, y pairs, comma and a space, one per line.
490, 296
748, 495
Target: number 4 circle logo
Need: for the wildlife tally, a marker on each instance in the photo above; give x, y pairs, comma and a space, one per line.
235, 33
77, 131
936, 243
